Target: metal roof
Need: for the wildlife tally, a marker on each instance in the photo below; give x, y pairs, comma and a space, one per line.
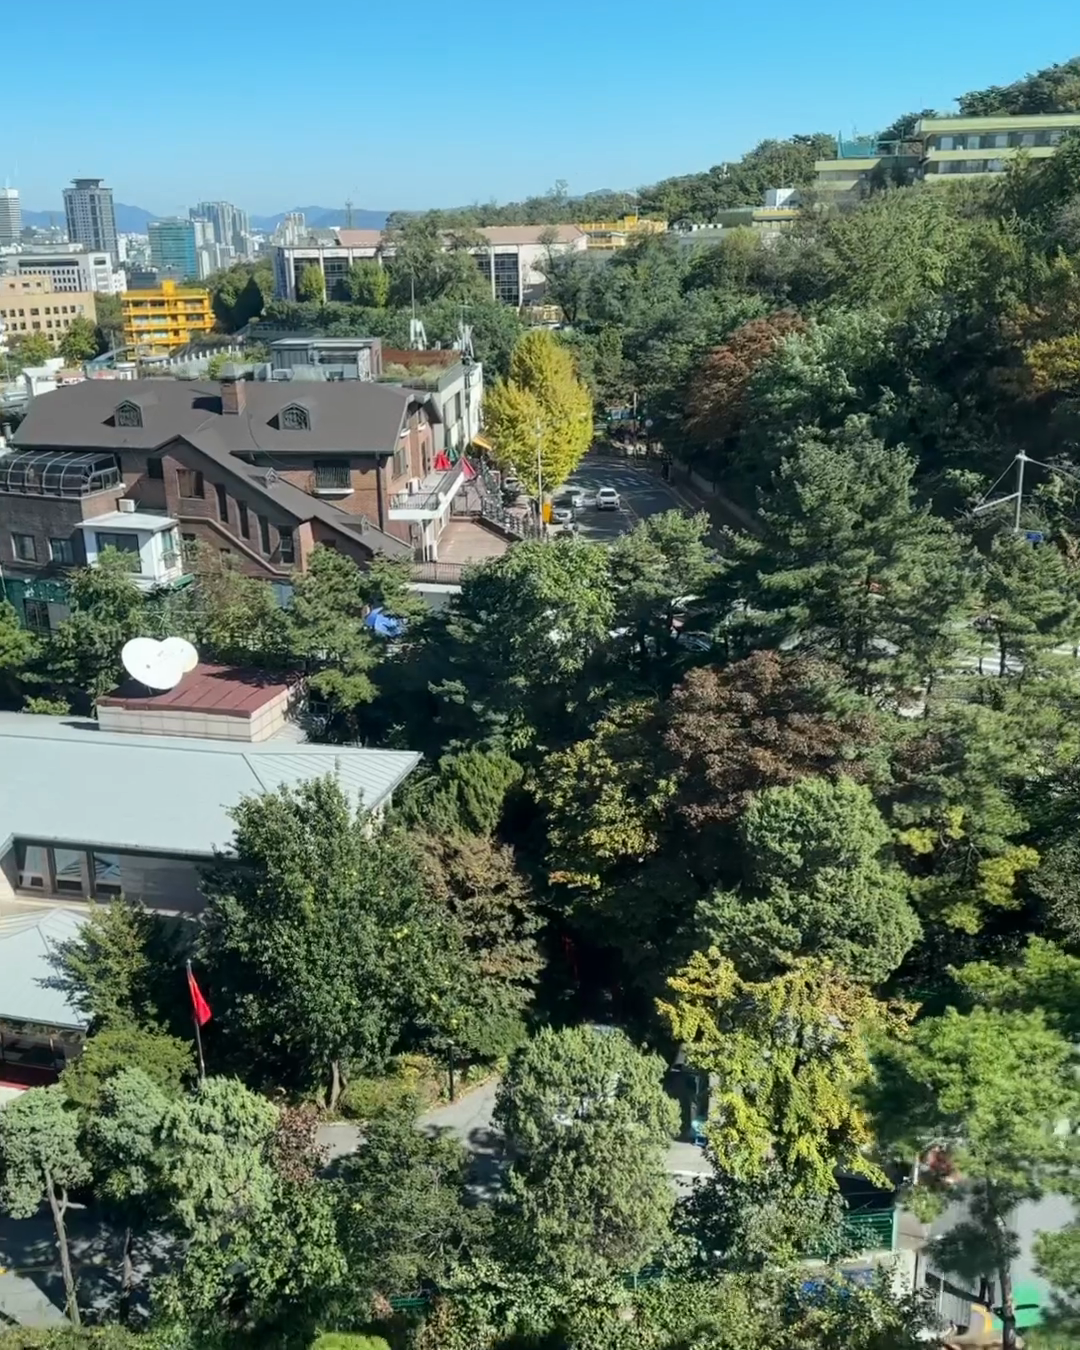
130, 520
64, 781
27, 941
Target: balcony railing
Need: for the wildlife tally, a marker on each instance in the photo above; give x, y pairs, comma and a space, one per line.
435, 489
438, 573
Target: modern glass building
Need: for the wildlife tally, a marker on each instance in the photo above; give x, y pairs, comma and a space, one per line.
172, 246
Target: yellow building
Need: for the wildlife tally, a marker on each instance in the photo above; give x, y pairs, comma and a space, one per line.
618, 233
29, 304
975, 146
157, 322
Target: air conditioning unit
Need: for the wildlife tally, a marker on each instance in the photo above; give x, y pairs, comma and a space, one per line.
414, 485
127, 505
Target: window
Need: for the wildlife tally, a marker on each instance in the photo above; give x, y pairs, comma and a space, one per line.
222, 502
127, 544
24, 547
33, 863
286, 544
106, 874
34, 311
242, 516
37, 616
128, 415
401, 457
70, 866
155, 469
62, 551
189, 483
264, 534
294, 418
332, 474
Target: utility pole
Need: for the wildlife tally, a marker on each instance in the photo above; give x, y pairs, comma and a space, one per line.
539, 481
348, 214
1021, 460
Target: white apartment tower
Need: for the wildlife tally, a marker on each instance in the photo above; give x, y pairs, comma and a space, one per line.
10, 216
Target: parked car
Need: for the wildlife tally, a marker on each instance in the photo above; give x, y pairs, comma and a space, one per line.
607, 499
562, 511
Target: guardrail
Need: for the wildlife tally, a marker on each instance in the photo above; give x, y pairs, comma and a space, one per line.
438, 573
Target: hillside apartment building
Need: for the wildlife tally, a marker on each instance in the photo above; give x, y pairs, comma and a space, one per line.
943, 149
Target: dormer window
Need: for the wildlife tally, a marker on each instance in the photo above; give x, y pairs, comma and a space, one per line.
128, 415
294, 418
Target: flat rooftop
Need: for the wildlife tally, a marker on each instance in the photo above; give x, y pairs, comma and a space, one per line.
64, 781
206, 689
130, 520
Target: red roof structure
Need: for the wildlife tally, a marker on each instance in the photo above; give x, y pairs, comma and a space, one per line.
206, 689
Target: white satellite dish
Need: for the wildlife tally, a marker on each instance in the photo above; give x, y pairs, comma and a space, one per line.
146, 661
182, 650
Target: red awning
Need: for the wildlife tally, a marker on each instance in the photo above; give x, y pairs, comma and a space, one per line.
442, 463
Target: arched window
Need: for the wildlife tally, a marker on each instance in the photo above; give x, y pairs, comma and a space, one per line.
294, 418
128, 415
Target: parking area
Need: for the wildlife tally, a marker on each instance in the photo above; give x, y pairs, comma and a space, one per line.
642, 493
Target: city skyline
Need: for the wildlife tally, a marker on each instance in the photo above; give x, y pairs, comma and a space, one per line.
624, 104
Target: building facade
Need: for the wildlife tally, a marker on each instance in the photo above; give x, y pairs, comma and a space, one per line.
509, 259
71, 269
159, 321
91, 220
976, 146
261, 470
172, 246
30, 304
10, 216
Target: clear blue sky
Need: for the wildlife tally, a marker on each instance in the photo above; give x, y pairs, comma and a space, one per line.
421, 103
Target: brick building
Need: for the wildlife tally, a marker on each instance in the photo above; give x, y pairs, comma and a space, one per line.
261, 470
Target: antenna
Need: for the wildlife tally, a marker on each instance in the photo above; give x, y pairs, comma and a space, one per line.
151, 664
182, 651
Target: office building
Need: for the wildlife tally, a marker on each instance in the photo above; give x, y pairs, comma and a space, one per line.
976, 146
173, 246
10, 216
70, 269
30, 304
91, 219
228, 223
157, 322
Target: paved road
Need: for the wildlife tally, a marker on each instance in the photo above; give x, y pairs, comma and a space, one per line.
469, 1120
643, 492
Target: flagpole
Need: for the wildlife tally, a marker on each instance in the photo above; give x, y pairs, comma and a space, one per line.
198, 1030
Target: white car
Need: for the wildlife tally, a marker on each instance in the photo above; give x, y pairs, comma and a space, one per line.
607, 499
574, 497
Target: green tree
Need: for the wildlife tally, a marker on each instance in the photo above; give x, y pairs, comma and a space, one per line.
1031, 603
167, 1061
818, 881
489, 903
79, 342
80, 659
311, 285
587, 1120
105, 970
519, 638
851, 568
40, 1160
110, 322
231, 617
34, 349
788, 1055
404, 1222
990, 1089
315, 942
464, 796
368, 283
18, 647
542, 412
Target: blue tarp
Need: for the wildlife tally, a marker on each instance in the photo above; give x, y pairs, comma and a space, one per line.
384, 625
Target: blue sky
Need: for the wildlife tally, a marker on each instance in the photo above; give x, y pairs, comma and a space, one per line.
422, 103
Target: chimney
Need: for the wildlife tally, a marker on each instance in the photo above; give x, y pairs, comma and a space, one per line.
232, 389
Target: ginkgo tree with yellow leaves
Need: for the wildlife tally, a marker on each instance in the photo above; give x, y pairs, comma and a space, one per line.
540, 416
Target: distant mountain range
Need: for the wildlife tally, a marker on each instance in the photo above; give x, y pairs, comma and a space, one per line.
134, 219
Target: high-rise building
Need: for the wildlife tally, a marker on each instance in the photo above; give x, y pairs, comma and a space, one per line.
91, 219
10, 215
173, 245
229, 224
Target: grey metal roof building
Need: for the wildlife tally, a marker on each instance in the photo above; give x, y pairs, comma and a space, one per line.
62, 781
27, 942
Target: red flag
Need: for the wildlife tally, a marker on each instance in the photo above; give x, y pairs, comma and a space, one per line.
199, 1005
